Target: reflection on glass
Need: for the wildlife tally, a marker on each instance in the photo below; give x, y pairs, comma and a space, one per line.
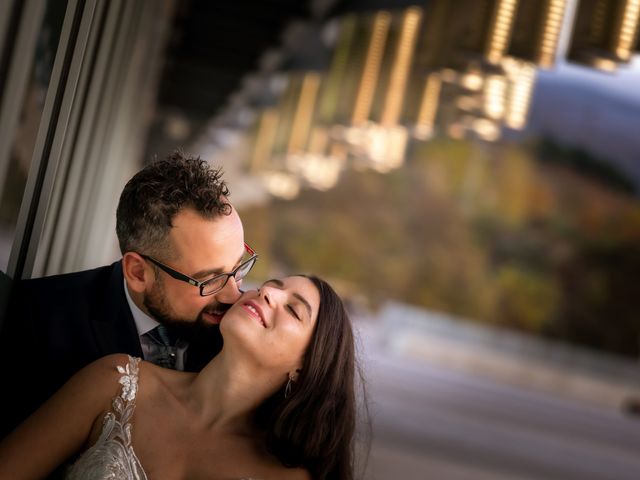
495, 206
604, 33
399, 77
13, 184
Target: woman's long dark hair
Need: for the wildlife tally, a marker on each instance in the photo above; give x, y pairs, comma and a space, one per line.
314, 426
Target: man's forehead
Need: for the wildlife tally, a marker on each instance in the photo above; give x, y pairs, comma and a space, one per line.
188, 220
216, 243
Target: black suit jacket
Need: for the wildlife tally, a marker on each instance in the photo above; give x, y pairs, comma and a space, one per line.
57, 325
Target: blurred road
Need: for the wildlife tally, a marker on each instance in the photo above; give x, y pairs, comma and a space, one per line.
431, 422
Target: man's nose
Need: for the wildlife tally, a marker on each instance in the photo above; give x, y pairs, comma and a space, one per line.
230, 293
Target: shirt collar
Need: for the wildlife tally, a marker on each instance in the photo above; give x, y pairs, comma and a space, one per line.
144, 323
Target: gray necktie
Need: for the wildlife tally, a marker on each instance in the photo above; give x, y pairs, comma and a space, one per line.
166, 355
163, 335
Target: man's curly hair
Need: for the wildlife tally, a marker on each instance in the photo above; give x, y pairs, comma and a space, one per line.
158, 192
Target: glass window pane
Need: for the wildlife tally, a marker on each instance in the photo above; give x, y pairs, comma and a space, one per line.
15, 179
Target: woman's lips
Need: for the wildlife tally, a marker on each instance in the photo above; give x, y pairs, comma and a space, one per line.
255, 311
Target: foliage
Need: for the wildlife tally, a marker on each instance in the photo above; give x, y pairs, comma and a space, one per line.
487, 232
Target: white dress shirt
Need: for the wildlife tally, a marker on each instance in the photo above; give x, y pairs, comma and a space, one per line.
144, 324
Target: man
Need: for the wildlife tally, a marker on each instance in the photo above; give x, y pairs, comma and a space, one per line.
183, 259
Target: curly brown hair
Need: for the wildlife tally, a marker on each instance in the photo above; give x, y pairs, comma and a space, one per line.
158, 192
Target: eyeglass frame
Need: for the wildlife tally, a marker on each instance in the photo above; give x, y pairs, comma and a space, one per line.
192, 281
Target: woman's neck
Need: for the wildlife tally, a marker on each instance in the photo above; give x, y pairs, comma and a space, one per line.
226, 393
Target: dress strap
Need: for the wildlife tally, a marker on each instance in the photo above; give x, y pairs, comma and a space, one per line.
129, 379
112, 455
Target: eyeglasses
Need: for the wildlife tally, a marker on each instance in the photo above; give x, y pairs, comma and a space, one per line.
215, 283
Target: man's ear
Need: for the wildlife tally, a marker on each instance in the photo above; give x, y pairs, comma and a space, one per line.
136, 272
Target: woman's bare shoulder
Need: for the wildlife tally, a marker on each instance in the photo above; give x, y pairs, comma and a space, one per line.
105, 374
100, 374
123, 364
110, 363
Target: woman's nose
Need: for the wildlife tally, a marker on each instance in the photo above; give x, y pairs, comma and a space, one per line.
270, 294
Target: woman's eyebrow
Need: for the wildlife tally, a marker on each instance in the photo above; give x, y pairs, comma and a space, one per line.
303, 300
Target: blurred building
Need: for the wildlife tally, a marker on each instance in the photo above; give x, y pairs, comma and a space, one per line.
605, 33
536, 31
402, 75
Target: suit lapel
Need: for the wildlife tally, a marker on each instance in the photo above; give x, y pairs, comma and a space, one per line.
114, 326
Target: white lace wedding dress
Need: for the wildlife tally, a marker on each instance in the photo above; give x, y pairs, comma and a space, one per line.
112, 456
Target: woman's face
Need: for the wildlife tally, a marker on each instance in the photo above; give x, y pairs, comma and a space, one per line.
274, 324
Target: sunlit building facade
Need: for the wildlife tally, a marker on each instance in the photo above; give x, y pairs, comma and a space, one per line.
605, 32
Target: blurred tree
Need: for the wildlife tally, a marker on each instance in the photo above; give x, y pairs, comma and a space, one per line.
486, 232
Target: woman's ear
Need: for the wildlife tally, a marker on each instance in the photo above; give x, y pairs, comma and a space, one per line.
135, 271
293, 376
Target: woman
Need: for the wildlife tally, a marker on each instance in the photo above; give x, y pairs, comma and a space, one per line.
276, 403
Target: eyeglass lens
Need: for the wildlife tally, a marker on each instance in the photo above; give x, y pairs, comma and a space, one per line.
219, 282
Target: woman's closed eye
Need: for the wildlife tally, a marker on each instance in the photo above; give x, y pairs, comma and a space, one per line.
293, 311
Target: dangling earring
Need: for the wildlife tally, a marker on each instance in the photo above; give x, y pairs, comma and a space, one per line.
287, 389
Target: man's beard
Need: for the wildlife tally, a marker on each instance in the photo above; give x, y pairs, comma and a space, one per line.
183, 328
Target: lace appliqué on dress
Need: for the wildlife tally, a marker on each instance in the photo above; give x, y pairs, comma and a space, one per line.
112, 456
